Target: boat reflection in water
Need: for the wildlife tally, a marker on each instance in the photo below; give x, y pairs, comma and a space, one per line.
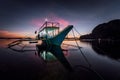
107, 48
53, 53
55, 63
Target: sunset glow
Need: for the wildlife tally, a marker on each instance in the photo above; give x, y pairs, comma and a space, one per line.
7, 34
22, 18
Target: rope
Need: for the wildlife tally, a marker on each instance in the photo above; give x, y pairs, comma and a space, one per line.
80, 50
88, 68
76, 31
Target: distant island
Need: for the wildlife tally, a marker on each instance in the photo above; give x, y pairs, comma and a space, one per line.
109, 30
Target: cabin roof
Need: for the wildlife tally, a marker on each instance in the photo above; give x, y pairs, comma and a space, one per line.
49, 28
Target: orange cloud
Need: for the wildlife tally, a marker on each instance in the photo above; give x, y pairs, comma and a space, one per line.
7, 34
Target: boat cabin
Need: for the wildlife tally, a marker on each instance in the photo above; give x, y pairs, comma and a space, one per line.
48, 30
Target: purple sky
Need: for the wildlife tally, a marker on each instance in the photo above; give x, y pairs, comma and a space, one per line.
22, 16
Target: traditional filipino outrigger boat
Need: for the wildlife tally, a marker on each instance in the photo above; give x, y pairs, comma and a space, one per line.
49, 33
51, 39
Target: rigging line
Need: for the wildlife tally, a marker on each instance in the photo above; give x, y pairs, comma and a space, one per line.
89, 68
81, 50
76, 31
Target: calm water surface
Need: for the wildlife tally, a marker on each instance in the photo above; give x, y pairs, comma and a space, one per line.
91, 61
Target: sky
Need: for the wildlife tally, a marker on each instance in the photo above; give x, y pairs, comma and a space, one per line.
23, 17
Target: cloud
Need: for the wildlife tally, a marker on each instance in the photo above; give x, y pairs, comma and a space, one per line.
51, 17
37, 22
8, 34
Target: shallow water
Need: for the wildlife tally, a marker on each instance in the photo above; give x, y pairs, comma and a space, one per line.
92, 61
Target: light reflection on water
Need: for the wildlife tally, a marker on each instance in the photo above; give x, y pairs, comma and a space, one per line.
5, 42
105, 65
108, 66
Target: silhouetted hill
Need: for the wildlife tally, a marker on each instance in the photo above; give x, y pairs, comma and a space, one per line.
110, 30
110, 49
